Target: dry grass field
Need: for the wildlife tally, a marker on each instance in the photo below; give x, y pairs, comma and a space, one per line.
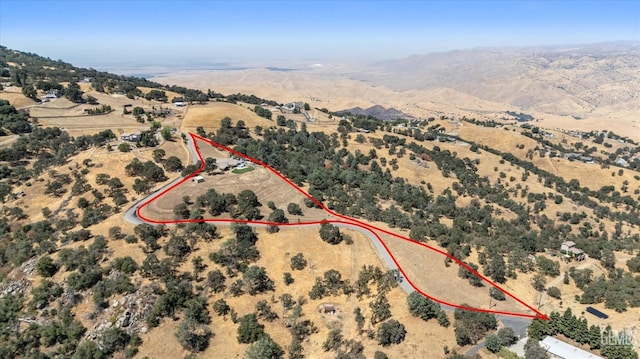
263, 183
73, 118
590, 175
209, 116
428, 271
14, 95
276, 251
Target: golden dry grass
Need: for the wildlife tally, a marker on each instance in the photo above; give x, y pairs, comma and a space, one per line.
208, 116
15, 97
276, 251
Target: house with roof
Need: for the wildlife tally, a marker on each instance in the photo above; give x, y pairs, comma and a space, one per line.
131, 137
52, 93
558, 349
569, 249
230, 163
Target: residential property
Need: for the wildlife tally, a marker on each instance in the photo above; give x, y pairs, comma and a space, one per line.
53, 93
578, 157
622, 162
230, 163
131, 137
558, 349
569, 249
564, 247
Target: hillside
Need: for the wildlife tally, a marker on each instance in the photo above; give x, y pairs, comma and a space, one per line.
570, 81
377, 111
588, 87
499, 195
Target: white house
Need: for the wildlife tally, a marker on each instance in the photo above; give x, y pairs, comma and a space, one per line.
569, 249
197, 179
566, 246
561, 350
131, 137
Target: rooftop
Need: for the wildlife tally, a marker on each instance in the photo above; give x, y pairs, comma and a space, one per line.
566, 350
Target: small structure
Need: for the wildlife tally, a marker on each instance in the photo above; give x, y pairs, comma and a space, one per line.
569, 249
53, 93
197, 179
577, 254
597, 313
564, 247
179, 104
326, 308
562, 350
622, 162
131, 137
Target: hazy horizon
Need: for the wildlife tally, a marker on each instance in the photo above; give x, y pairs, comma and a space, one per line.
244, 33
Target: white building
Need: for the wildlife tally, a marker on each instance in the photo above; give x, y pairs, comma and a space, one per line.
561, 350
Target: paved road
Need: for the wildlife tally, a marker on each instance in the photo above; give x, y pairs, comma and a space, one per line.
131, 214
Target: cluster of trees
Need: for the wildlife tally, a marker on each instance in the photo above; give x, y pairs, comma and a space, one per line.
13, 121
244, 205
425, 309
59, 337
620, 291
505, 337
60, 334
189, 95
227, 134
237, 253
250, 99
346, 188
148, 170
578, 329
104, 109
472, 326
262, 112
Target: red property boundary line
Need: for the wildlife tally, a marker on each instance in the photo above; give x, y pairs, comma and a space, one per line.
345, 220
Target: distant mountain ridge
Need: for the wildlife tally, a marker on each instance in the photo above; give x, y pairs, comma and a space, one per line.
377, 111
567, 80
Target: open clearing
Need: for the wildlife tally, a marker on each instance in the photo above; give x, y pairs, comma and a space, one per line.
208, 116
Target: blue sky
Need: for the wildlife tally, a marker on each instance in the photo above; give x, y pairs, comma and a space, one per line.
93, 33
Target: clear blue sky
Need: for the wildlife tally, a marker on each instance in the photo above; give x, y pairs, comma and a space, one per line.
162, 32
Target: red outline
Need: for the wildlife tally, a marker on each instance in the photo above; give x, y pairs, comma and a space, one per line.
344, 220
